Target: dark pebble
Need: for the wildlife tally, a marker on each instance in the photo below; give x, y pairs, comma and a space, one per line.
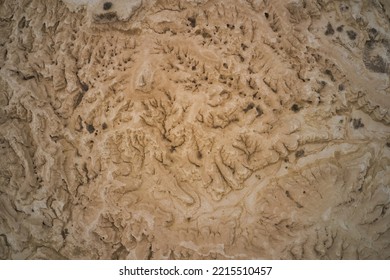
192, 21
295, 108
329, 29
351, 34
357, 123
90, 128
107, 6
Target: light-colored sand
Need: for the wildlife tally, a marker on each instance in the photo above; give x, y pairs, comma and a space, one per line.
175, 129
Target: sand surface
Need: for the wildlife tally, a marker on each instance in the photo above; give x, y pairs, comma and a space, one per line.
176, 129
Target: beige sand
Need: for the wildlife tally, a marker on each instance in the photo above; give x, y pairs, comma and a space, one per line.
176, 129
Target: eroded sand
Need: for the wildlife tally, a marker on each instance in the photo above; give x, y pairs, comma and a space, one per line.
176, 129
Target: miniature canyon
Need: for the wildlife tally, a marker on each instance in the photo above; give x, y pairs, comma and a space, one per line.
202, 129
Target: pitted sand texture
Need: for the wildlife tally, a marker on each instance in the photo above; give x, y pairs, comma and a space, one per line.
176, 129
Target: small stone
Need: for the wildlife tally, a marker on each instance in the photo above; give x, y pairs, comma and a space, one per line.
107, 6
90, 128
329, 29
192, 21
351, 34
295, 108
84, 87
357, 123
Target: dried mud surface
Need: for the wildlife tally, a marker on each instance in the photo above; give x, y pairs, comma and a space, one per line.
175, 129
